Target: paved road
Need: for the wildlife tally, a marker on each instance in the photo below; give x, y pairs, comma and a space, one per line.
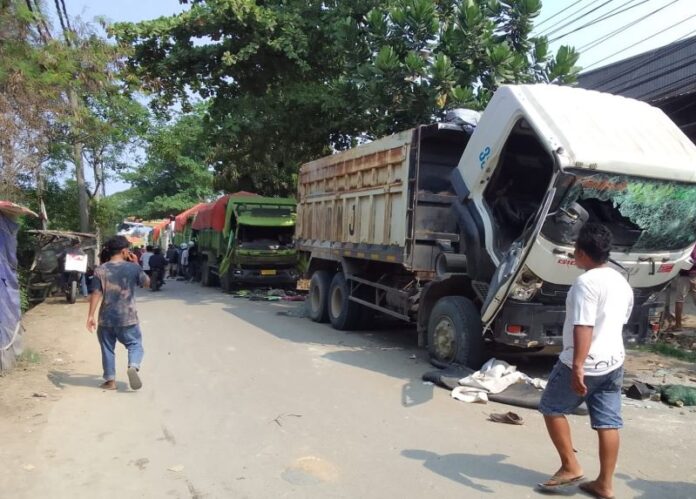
241, 401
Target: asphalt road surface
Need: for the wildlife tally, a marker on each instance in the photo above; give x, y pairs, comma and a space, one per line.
244, 400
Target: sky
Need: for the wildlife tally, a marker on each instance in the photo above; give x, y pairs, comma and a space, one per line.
635, 26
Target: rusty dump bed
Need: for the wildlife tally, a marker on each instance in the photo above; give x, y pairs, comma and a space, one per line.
388, 200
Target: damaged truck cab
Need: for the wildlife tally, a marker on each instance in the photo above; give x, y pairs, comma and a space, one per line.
470, 235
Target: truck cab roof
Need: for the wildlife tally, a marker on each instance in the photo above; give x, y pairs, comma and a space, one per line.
585, 129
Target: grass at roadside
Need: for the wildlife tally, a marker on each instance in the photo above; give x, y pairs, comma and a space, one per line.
668, 350
29, 356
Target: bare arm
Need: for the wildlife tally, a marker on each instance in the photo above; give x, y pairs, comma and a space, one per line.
94, 300
582, 340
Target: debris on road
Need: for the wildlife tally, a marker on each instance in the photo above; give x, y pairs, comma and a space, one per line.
268, 294
176, 468
507, 418
40, 395
280, 417
28, 467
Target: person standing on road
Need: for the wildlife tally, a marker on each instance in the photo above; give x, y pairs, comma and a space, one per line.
173, 259
590, 367
114, 285
683, 287
145, 259
184, 261
157, 265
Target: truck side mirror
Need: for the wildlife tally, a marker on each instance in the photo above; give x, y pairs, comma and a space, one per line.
573, 215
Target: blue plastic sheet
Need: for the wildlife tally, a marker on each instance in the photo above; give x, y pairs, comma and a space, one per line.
10, 312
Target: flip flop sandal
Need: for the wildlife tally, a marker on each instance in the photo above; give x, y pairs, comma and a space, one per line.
508, 418
557, 483
134, 379
586, 487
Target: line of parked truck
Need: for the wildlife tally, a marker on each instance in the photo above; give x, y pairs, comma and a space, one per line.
465, 227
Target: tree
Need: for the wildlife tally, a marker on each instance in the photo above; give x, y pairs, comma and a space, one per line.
289, 80
59, 92
175, 174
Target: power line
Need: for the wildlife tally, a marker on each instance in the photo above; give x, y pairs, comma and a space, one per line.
623, 28
573, 21
569, 15
572, 4
643, 40
601, 18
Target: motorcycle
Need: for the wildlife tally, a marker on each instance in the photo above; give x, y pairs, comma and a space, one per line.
156, 278
71, 285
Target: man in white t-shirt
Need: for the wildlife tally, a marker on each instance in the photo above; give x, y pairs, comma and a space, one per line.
145, 259
590, 368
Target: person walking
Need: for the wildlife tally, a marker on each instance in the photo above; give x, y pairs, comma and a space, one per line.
590, 367
114, 285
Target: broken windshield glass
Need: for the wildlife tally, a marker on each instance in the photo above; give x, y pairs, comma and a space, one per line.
643, 214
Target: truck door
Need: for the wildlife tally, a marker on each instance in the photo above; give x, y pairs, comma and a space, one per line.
512, 263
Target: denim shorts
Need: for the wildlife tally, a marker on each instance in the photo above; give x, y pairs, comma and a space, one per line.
603, 397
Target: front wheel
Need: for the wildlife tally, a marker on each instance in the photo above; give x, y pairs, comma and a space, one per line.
71, 294
319, 296
205, 273
455, 334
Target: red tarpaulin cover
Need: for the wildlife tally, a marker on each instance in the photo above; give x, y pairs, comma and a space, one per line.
212, 215
182, 217
157, 231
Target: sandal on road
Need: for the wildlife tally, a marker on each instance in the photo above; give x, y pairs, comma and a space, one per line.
508, 418
134, 379
586, 487
557, 482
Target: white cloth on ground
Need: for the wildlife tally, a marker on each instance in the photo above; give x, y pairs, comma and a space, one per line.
494, 377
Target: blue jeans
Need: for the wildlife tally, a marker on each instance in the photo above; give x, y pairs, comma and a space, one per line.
130, 337
603, 397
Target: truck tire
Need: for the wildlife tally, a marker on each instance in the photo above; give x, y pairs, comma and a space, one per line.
319, 296
455, 335
226, 282
344, 314
205, 273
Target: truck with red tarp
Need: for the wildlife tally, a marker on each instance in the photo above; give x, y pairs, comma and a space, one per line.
244, 238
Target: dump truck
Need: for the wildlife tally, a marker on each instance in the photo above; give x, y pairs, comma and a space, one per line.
246, 239
183, 233
468, 232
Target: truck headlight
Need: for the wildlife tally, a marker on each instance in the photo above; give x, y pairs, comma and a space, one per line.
526, 285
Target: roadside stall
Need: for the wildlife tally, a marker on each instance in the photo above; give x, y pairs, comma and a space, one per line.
10, 311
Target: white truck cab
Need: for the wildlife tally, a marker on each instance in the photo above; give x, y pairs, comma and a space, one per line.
544, 160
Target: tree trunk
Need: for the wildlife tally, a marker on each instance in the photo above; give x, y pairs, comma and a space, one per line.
83, 198
40, 196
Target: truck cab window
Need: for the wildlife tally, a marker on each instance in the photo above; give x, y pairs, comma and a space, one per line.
518, 185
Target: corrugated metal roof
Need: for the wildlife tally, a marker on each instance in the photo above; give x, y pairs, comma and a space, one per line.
652, 76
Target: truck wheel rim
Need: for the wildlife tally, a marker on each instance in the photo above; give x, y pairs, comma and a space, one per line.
336, 302
444, 339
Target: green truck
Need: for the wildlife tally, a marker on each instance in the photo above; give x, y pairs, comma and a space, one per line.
246, 239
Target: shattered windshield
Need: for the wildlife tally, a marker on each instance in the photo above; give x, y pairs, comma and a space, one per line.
642, 214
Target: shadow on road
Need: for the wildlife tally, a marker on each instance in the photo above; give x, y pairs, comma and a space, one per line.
61, 378
655, 488
390, 347
466, 468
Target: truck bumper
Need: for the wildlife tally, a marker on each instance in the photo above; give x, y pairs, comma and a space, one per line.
534, 326
257, 278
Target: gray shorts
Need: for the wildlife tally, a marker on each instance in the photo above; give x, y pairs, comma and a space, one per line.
603, 397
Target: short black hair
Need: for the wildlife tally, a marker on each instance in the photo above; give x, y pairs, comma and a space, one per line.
157, 250
116, 244
148, 248
595, 241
